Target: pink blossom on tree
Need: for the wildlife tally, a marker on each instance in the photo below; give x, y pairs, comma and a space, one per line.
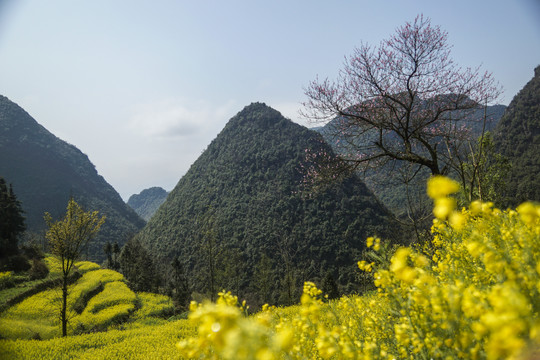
405, 100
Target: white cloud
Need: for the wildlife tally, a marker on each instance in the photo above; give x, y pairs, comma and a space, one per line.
164, 138
177, 118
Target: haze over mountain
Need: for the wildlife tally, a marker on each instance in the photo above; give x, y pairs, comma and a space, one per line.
147, 201
46, 171
517, 136
240, 213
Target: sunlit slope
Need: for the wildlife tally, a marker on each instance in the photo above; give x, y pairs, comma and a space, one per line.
98, 300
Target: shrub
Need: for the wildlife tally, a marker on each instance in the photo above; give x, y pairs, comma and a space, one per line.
38, 270
32, 252
6, 280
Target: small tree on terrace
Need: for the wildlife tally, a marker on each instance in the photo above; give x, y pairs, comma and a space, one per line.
403, 101
68, 238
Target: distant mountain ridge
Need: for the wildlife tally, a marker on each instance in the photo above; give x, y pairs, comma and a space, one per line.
147, 201
46, 171
242, 202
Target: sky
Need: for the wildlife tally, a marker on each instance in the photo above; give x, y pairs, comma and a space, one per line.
143, 87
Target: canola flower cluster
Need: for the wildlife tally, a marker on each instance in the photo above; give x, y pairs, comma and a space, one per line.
116, 302
473, 292
54, 266
89, 283
85, 266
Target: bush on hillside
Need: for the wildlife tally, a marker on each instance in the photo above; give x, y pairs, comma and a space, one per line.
6, 280
38, 270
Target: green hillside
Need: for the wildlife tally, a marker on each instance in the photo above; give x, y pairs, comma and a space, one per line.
147, 201
517, 136
45, 171
239, 220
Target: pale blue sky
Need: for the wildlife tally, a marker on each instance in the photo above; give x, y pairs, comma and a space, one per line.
142, 87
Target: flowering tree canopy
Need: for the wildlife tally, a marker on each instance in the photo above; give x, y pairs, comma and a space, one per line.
405, 100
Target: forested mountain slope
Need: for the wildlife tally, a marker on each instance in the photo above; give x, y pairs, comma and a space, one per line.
517, 136
45, 171
239, 219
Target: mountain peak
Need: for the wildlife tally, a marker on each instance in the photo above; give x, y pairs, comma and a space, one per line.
258, 114
258, 107
147, 201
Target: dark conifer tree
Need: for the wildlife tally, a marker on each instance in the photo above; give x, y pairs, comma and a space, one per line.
12, 223
330, 287
138, 267
179, 284
107, 249
116, 252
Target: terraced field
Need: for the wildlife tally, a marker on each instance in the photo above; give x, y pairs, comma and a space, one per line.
98, 301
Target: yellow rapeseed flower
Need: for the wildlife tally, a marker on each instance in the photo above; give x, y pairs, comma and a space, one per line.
377, 245
529, 212
444, 207
369, 241
441, 186
399, 260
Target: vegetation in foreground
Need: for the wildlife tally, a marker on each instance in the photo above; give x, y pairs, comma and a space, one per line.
152, 341
470, 293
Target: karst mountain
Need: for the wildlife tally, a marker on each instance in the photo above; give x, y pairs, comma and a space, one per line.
242, 218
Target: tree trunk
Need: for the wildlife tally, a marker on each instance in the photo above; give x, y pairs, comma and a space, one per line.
63, 313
